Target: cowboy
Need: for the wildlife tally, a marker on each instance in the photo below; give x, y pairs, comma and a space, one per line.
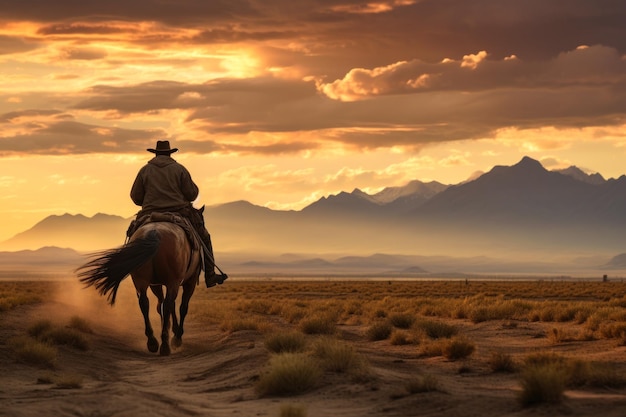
164, 185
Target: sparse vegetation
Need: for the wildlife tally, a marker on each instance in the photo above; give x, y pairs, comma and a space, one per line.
542, 383
292, 410
572, 372
288, 374
380, 330
423, 383
243, 323
312, 331
45, 331
502, 362
401, 337
338, 356
285, 342
457, 348
402, 320
34, 352
319, 323
436, 329
18, 293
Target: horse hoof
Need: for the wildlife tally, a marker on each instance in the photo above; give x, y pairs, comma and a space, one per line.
165, 350
153, 345
177, 341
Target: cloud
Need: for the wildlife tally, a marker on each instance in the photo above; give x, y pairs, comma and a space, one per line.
13, 44
585, 66
86, 54
71, 137
316, 74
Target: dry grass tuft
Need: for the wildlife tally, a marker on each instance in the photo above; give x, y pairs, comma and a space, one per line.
436, 329
243, 323
423, 383
15, 294
289, 374
293, 410
502, 362
34, 352
338, 356
380, 330
542, 383
401, 337
457, 348
286, 342
45, 331
402, 320
320, 323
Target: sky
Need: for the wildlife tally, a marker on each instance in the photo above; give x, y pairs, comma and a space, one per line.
282, 102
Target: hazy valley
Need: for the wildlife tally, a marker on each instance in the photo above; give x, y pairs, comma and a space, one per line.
520, 219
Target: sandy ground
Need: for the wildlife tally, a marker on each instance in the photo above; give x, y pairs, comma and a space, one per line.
214, 373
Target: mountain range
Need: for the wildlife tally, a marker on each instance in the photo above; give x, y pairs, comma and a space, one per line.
523, 213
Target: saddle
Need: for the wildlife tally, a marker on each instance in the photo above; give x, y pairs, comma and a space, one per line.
169, 217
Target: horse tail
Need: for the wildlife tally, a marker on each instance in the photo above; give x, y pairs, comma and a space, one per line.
108, 268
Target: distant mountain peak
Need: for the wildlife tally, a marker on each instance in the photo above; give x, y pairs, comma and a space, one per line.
581, 175
529, 163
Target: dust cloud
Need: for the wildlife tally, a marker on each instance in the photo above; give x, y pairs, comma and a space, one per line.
123, 319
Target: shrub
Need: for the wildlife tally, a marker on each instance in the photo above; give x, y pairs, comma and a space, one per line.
34, 352
44, 331
285, 342
543, 383
337, 356
288, 373
400, 338
402, 320
614, 330
318, 324
380, 314
501, 362
380, 330
425, 383
436, 329
67, 337
258, 306
290, 410
293, 313
556, 336
457, 348
604, 375
39, 328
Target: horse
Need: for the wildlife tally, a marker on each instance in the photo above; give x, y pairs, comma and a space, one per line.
157, 255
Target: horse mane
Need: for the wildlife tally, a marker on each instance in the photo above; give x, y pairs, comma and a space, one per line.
108, 268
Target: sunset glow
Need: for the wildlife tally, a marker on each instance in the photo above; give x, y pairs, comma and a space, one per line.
281, 103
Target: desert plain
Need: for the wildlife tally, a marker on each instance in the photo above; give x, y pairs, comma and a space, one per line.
325, 347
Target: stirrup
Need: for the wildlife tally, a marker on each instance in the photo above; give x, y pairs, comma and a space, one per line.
213, 279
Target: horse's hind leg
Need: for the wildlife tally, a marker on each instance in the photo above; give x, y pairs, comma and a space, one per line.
158, 292
188, 288
144, 305
169, 305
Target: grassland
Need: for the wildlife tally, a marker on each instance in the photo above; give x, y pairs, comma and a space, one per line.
424, 344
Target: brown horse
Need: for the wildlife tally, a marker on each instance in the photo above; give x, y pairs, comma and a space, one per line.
157, 255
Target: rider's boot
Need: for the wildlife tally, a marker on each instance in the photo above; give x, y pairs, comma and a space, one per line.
210, 277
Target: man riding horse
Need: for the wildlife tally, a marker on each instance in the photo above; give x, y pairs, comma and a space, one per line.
164, 185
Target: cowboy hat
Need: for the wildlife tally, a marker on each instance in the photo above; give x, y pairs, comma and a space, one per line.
162, 146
